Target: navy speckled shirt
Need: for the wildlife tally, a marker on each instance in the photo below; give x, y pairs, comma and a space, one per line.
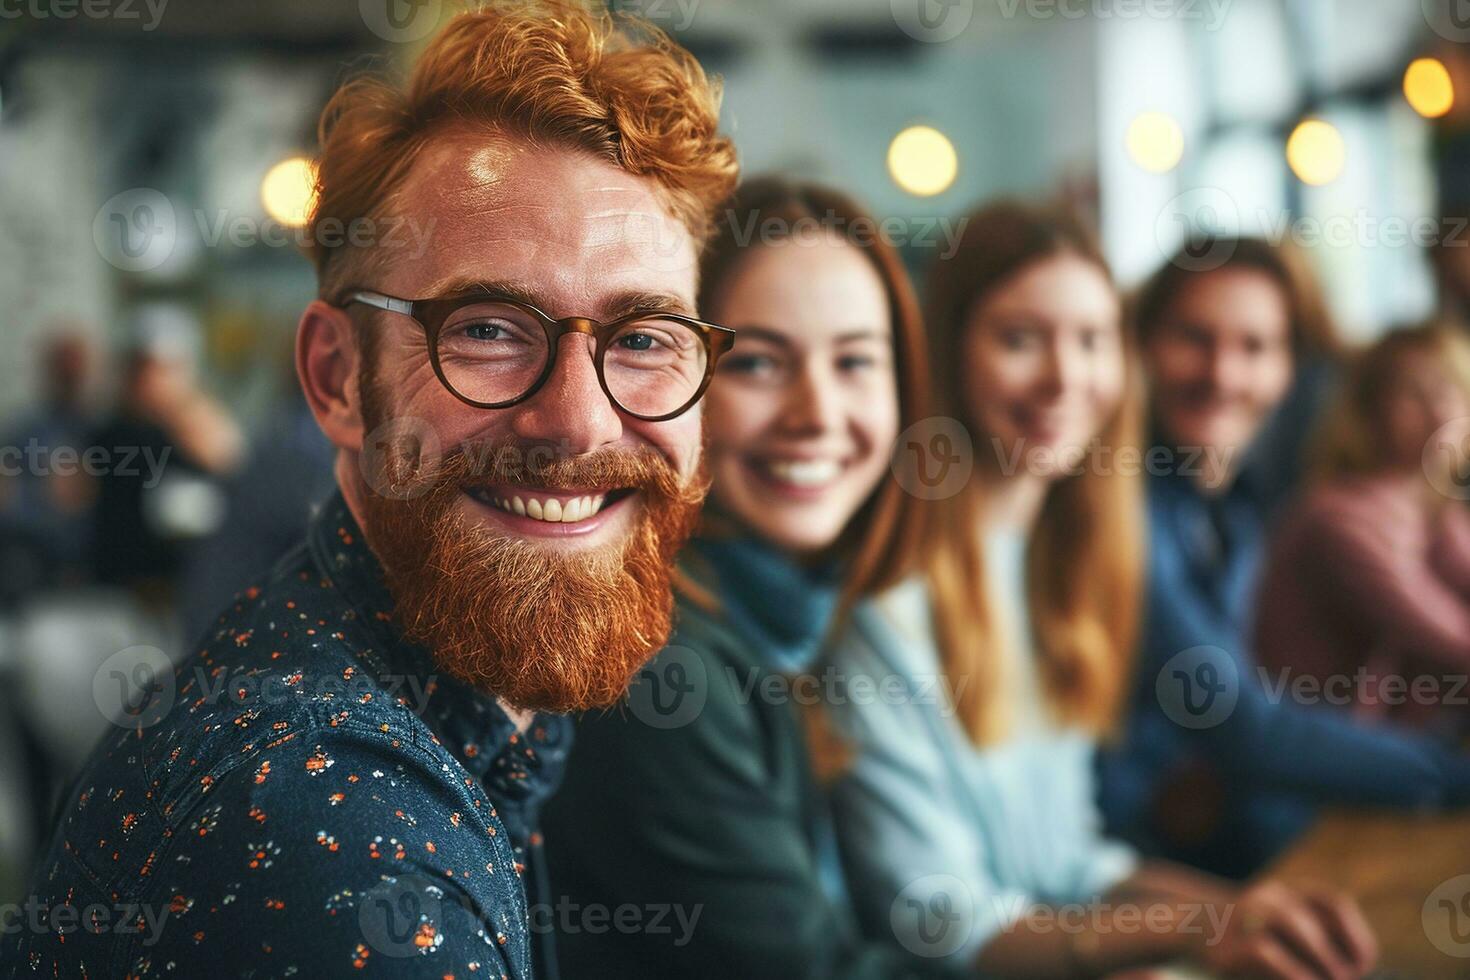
308, 797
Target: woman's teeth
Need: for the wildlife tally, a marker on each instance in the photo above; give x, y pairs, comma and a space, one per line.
551, 509
812, 473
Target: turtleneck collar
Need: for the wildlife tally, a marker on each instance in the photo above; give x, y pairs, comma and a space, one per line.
779, 605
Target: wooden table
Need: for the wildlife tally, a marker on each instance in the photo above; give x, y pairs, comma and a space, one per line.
1410, 873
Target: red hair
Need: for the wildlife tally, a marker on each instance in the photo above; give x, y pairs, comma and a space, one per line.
553, 71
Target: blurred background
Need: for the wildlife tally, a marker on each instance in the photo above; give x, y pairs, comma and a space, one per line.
155, 170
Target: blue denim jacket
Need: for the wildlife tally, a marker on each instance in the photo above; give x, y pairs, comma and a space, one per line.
1200, 705
305, 796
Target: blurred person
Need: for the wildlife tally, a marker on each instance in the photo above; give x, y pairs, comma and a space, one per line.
264, 515
46, 497
1367, 587
347, 777
706, 796
168, 444
1213, 768
976, 793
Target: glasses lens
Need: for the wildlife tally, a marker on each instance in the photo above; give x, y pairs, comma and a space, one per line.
492, 352
654, 366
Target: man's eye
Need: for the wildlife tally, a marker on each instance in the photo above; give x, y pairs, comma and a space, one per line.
483, 331
636, 341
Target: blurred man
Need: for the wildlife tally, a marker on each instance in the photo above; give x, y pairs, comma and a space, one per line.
46, 498
165, 445
348, 776
1213, 770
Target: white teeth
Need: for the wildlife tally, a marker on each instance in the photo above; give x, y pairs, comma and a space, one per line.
811, 473
552, 510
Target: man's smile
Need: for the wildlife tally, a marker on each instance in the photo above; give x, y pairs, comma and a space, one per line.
540, 512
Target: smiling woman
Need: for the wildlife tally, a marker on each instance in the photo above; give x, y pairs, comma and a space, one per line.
711, 786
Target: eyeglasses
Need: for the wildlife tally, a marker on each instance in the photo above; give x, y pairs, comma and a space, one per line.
494, 352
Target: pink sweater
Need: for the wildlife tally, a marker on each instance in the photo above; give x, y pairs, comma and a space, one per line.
1367, 593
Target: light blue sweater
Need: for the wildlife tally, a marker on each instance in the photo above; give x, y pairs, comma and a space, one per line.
935, 830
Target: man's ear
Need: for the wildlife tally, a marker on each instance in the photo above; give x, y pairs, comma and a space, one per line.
328, 362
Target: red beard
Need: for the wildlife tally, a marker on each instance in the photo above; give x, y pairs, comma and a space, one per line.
543, 631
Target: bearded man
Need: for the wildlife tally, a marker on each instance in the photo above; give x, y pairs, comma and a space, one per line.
346, 778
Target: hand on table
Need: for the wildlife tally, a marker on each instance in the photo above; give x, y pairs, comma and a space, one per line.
1278, 933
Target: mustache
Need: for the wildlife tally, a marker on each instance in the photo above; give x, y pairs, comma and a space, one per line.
507, 465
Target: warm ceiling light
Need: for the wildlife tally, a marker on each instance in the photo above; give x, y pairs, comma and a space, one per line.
922, 161
288, 191
1315, 152
1155, 142
1428, 88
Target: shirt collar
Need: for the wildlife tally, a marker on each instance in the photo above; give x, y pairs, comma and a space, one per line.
471, 724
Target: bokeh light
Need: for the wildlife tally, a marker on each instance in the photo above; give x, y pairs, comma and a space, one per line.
1155, 142
1315, 152
1428, 88
288, 191
923, 161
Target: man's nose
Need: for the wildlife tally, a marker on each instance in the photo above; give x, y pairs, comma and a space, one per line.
571, 410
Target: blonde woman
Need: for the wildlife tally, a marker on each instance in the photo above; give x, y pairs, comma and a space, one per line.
968, 822
1368, 585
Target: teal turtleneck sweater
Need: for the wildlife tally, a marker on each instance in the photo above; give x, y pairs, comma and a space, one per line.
698, 798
